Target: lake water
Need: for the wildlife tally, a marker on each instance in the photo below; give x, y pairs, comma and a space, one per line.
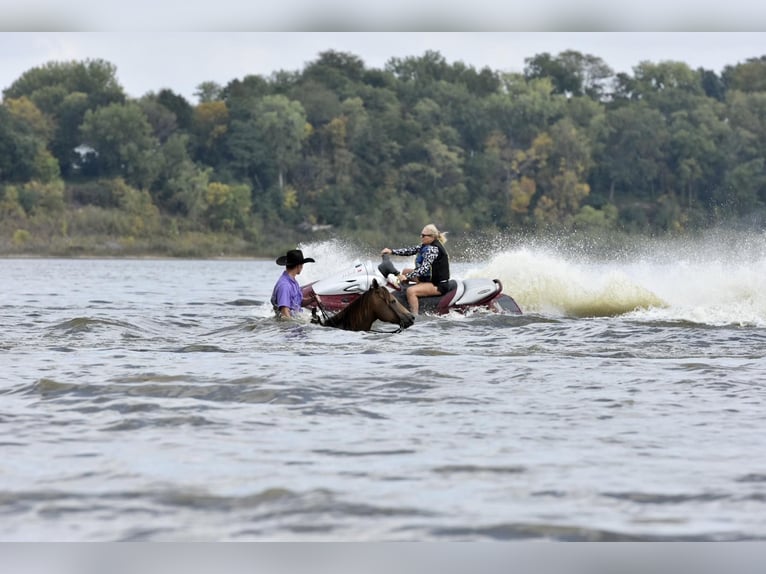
156, 400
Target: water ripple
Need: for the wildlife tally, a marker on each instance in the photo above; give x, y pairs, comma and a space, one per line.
160, 400
531, 531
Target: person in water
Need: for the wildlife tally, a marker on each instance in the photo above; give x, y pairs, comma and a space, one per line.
287, 296
431, 271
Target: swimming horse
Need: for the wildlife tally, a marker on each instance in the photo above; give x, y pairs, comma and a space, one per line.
377, 303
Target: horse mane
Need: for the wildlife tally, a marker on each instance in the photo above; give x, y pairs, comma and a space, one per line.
352, 317
375, 304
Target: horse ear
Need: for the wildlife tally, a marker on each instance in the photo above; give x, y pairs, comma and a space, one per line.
374, 284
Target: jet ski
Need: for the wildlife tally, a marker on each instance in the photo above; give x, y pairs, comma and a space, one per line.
333, 293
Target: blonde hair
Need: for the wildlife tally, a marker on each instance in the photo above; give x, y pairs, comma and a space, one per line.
431, 229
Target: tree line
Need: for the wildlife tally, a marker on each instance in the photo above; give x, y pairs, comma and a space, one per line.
565, 145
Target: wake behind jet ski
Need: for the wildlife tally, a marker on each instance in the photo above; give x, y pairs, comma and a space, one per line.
336, 292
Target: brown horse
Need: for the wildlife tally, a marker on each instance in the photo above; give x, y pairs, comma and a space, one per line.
377, 303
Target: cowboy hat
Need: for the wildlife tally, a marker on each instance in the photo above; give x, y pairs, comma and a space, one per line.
294, 257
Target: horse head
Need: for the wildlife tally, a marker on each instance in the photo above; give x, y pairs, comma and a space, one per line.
388, 308
375, 304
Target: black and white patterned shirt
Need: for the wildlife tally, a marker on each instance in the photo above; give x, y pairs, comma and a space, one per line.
426, 255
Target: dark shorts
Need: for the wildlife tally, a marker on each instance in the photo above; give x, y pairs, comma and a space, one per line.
446, 286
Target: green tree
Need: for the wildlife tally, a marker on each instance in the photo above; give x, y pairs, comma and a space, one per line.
46, 84
42, 198
177, 104
161, 119
426, 69
697, 150
11, 210
446, 164
64, 91
561, 178
749, 76
340, 72
24, 133
591, 219
526, 109
227, 206
281, 126
124, 144
653, 81
744, 188
635, 148
209, 92
492, 180
571, 73
26, 113
320, 102
69, 116
181, 185
250, 87
142, 215
264, 147
561, 201
712, 84
746, 111
210, 125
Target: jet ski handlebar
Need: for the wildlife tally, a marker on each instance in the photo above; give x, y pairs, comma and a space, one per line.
387, 266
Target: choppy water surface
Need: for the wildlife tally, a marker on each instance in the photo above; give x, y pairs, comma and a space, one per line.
159, 400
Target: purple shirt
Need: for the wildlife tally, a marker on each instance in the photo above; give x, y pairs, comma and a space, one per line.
287, 293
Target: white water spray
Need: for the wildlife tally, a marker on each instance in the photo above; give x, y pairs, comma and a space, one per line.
714, 283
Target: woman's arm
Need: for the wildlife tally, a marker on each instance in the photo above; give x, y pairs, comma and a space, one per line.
403, 251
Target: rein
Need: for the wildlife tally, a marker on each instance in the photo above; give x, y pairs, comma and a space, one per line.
316, 318
399, 330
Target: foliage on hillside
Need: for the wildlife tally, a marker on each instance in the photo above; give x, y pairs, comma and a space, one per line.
263, 163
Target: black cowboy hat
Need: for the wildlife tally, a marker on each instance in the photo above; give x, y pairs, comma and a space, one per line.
294, 257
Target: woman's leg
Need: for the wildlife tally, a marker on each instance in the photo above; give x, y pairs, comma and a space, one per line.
419, 290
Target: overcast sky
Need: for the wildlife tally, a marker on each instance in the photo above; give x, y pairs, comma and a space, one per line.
150, 60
